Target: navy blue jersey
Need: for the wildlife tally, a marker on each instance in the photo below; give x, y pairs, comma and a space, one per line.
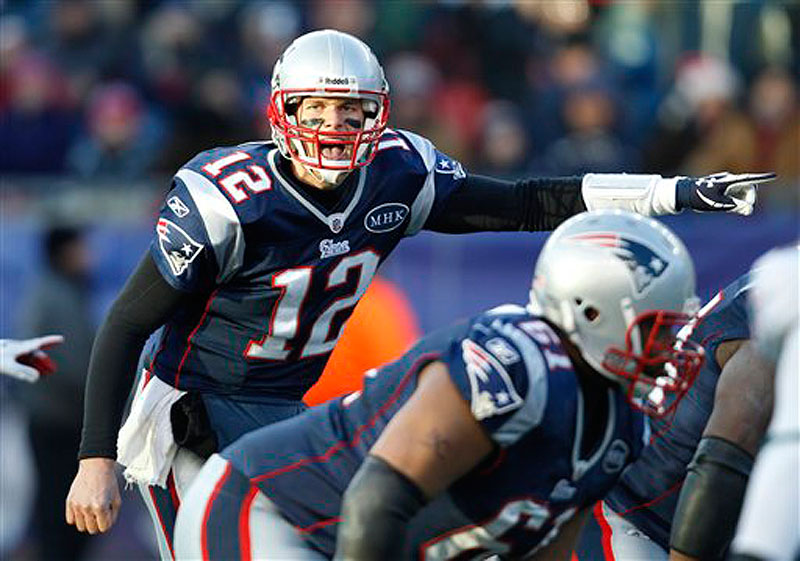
280, 273
647, 493
520, 384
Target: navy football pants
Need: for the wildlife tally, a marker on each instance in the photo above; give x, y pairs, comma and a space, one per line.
229, 419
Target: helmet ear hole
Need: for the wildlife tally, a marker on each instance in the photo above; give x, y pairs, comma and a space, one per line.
591, 313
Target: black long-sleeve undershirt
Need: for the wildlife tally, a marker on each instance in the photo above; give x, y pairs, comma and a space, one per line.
147, 301
528, 205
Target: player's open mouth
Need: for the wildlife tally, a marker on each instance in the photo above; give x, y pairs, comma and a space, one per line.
335, 151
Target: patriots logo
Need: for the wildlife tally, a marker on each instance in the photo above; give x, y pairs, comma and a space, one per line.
644, 263
493, 392
177, 246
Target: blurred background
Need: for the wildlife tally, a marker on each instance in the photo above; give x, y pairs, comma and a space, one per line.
101, 101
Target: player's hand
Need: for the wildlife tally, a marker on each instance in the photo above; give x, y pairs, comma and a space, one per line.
26, 360
720, 192
93, 501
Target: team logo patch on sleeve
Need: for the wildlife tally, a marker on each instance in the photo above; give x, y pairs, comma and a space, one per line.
177, 246
493, 393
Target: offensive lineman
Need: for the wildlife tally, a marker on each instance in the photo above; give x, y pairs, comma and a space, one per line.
494, 435
659, 504
263, 249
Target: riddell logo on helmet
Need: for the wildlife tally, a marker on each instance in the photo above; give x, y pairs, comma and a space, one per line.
336, 80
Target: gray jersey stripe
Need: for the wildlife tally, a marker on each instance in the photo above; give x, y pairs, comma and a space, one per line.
530, 414
422, 205
579, 465
222, 224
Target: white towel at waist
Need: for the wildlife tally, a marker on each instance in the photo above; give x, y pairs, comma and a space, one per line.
145, 444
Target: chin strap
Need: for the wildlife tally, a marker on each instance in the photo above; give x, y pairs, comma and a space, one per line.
331, 178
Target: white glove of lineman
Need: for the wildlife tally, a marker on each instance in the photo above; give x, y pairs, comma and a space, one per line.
26, 360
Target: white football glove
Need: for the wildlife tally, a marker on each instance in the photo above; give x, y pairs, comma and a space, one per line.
26, 360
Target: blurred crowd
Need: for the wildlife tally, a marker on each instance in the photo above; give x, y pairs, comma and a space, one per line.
122, 89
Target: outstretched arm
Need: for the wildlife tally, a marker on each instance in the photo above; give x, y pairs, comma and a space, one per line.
488, 204
432, 441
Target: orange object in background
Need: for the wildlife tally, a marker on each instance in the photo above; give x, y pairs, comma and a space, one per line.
382, 327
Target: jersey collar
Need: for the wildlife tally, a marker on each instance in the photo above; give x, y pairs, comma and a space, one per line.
334, 220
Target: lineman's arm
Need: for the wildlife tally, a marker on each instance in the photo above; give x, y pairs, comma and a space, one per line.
432, 441
145, 303
743, 398
712, 494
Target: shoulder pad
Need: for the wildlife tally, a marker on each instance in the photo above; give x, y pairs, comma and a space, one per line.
410, 147
507, 371
214, 160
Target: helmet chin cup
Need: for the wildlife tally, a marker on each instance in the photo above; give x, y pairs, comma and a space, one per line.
329, 177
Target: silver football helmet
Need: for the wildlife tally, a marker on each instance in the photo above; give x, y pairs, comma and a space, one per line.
328, 63
620, 285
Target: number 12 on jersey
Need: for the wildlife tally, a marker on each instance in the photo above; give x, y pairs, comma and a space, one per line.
294, 283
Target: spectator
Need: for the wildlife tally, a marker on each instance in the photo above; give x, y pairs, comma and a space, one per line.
765, 138
590, 142
504, 144
78, 44
570, 66
36, 127
775, 116
120, 143
59, 304
215, 114
699, 111
415, 81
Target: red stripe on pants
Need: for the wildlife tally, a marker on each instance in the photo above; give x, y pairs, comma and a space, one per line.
608, 551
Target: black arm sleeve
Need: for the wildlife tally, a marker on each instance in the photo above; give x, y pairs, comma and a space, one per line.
483, 203
711, 499
376, 507
145, 303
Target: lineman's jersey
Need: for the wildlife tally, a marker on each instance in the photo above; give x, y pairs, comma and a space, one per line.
282, 274
647, 493
515, 374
